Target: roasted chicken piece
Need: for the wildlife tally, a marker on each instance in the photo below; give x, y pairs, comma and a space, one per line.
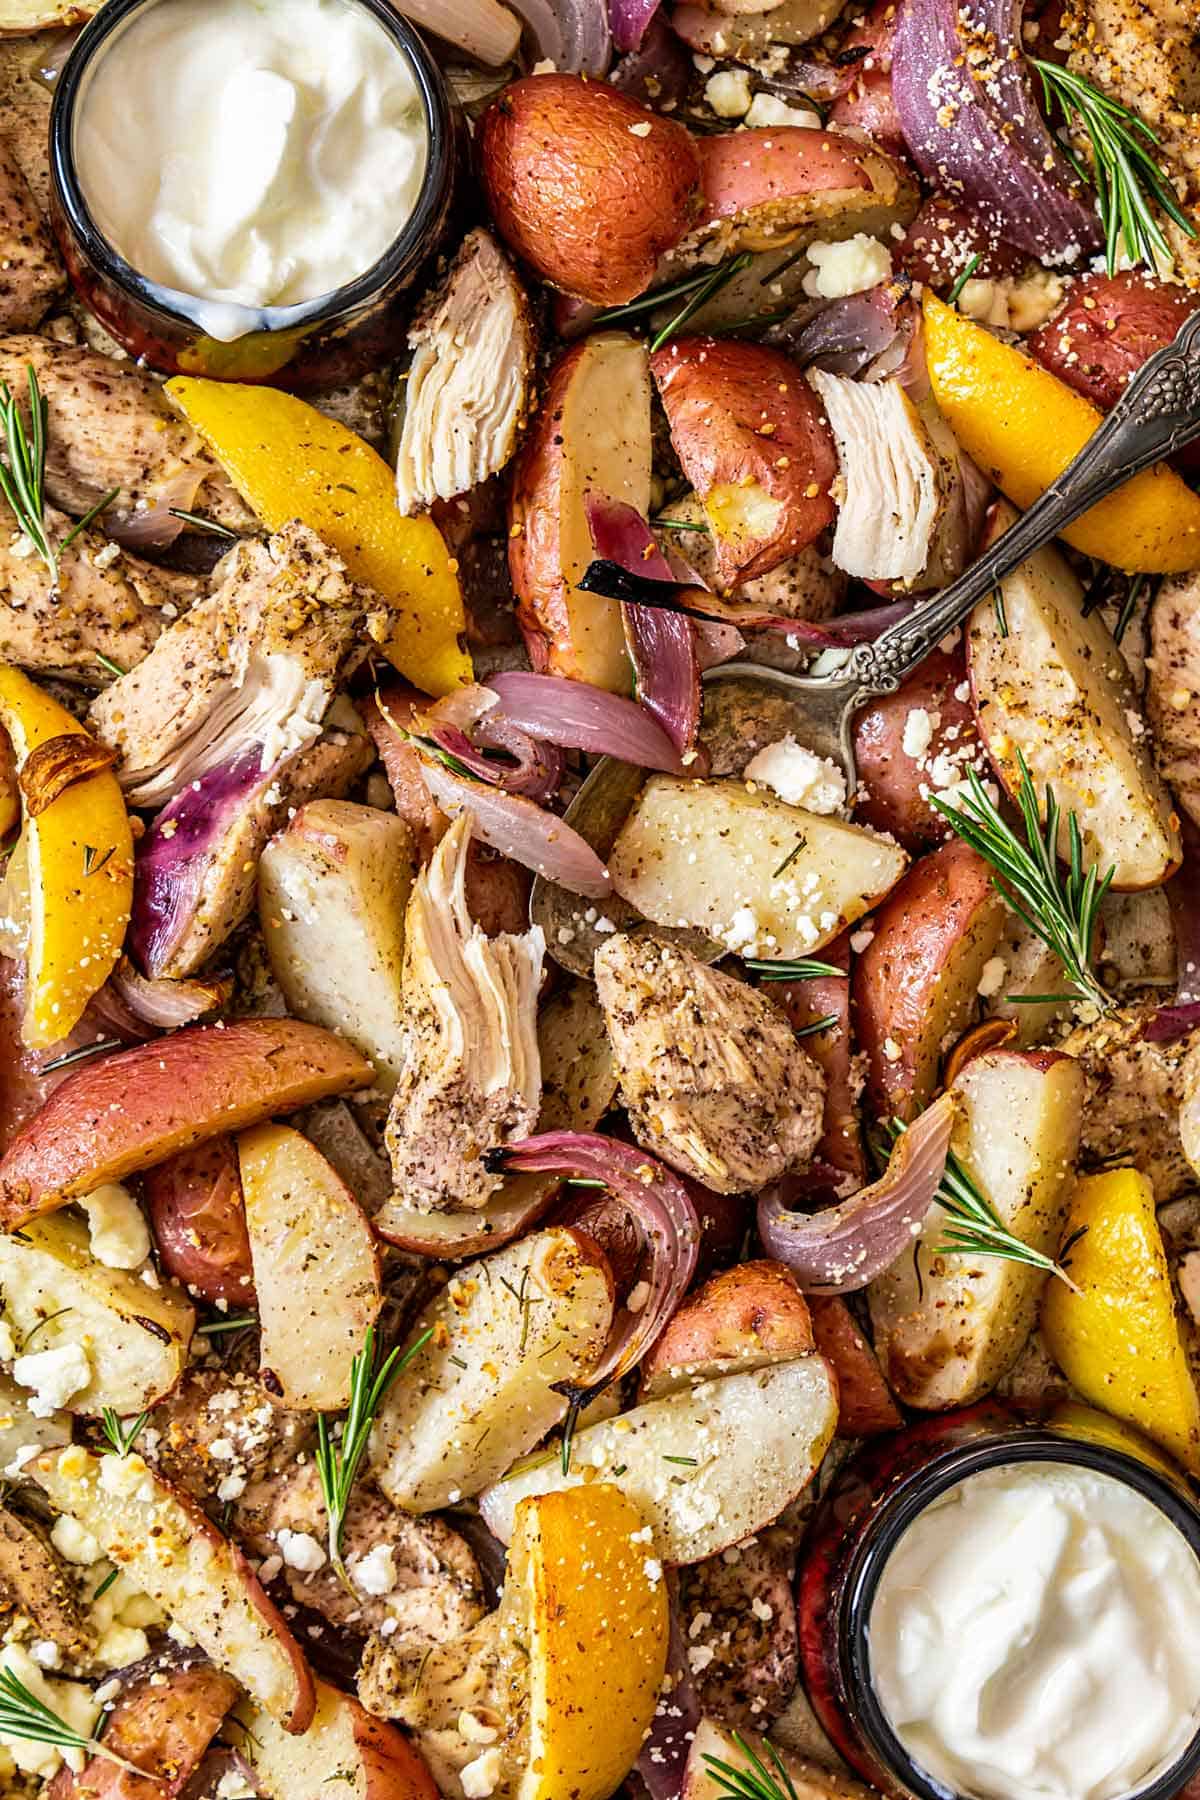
33, 1582
1146, 53
108, 603
196, 868
110, 427
740, 1619
31, 275
255, 664
468, 385
472, 1076
415, 1575
254, 1436
1134, 1091
712, 1078
1173, 687
436, 1693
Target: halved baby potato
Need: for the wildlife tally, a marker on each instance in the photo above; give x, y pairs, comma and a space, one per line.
172, 1552
806, 1780
764, 186
136, 1337
693, 1461
712, 854
345, 1749
591, 436
316, 1267
480, 1392
1050, 682
743, 1319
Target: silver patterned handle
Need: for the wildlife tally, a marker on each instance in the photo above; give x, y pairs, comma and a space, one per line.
1157, 414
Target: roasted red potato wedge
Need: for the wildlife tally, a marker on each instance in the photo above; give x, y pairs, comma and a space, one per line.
199, 1222
344, 1751
1107, 329
760, 186
867, 105
903, 743
163, 1723
938, 247
865, 1404
743, 1319
916, 984
172, 1552
128, 1111
592, 436
808, 1003
316, 1268
754, 443
586, 185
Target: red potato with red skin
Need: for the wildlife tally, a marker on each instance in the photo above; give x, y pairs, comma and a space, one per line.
805, 1003
916, 984
123, 1113
755, 444
345, 1750
588, 187
762, 185
1110, 326
939, 244
865, 1403
163, 1726
743, 1319
890, 780
198, 1219
867, 105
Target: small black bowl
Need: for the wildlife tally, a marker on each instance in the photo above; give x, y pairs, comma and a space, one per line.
860, 1522
318, 343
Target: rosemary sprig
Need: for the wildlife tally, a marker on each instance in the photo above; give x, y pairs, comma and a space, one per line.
1129, 182
973, 1226
650, 302
720, 277
338, 1463
1059, 907
23, 468
804, 968
121, 1437
24, 1716
755, 1783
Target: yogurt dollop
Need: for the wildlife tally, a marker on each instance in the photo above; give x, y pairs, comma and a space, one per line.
1036, 1631
251, 153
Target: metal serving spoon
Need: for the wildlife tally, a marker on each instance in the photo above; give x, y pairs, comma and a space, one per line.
1157, 414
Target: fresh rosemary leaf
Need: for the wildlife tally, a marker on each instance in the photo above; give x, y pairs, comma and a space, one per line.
89, 518
720, 277
209, 526
121, 1437
106, 662
1129, 182
955, 294
338, 1461
678, 525
1001, 615
81, 1055
23, 466
790, 858
237, 1322
1060, 907
755, 1783
1128, 607
41, 1326
972, 1225
24, 1716
805, 968
825, 1024
632, 309
106, 1583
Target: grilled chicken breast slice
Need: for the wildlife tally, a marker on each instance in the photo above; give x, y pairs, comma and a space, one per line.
712, 1078
31, 276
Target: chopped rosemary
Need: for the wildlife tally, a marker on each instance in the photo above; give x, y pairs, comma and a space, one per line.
24, 1716
686, 1462
1129, 607
1129, 182
41, 1326
719, 278
804, 968
236, 1322
202, 524
800, 844
90, 853
106, 1583
973, 1227
825, 1024
755, 1783
121, 1437
106, 662
1001, 615
1059, 907
955, 294
338, 1463
81, 1055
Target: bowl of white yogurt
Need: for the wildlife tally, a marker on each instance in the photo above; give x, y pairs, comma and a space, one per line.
1011, 1612
248, 189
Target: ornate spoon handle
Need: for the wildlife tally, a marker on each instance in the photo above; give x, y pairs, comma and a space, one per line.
1157, 414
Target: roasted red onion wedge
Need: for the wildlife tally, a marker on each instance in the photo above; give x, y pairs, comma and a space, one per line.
618, 583
581, 717
663, 1210
846, 1246
513, 825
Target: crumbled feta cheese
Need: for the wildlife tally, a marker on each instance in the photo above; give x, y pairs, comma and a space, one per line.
233, 1785
120, 1238
766, 109
799, 776
375, 1573
742, 930
918, 733
859, 263
652, 1569
992, 978
231, 1488
699, 1656
728, 93
481, 1777
475, 1729
761, 1609
891, 1049
122, 1475
300, 1551
70, 1699
121, 1645
46, 1653
74, 1543
54, 1376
